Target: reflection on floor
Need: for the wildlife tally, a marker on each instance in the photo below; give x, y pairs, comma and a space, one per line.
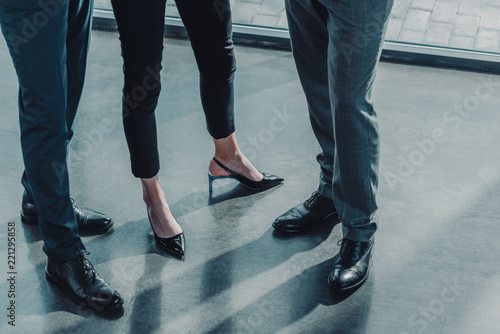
436, 251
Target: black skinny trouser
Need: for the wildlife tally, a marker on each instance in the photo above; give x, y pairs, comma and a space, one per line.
141, 27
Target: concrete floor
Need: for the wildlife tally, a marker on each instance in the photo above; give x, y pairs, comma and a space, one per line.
435, 268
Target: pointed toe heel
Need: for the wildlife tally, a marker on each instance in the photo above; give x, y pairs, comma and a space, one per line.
268, 180
174, 245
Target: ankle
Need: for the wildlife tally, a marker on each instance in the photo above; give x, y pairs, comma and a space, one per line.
227, 156
153, 195
215, 169
154, 201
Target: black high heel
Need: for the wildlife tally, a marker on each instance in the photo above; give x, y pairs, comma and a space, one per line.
173, 244
268, 181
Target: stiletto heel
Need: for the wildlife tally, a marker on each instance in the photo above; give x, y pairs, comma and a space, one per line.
268, 180
211, 179
173, 244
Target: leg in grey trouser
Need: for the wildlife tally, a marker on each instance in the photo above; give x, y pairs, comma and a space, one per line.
336, 45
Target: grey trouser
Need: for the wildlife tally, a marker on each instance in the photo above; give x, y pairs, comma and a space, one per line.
336, 45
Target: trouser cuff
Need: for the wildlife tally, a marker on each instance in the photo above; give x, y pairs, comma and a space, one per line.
63, 253
325, 189
219, 131
359, 234
146, 170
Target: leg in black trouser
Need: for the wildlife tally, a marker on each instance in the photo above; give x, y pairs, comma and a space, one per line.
48, 44
50, 63
141, 27
141, 33
77, 41
210, 30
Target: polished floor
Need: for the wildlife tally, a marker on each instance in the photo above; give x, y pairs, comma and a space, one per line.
437, 251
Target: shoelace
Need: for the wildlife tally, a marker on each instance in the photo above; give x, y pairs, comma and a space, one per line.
88, 266
351, 250
345, 252
311, 200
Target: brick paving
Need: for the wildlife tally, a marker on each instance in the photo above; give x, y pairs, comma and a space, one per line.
465, 24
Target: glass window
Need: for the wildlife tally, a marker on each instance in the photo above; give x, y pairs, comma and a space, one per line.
459, 24
463, 24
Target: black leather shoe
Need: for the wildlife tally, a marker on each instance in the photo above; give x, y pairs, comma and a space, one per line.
305, 216
173, 244
29, 215
268, 180
83, 284
352, 265
89, 221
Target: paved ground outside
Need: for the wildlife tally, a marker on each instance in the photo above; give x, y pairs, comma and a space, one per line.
466, 24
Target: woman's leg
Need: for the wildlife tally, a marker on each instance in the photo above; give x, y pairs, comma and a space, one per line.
141, 26
210, 32
164, 223
229, 154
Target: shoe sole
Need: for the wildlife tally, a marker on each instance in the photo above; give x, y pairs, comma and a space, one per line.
251, 188
73, 297
305, 229
248, 187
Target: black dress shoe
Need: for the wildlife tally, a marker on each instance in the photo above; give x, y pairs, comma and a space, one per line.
352, 265
305, 216
83, 284
268, 180
89, 221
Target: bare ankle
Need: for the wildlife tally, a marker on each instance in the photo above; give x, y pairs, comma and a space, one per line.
152, 193
227, 156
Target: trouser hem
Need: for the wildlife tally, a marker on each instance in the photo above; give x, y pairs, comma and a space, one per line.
146, 170
358, 234
221, 130
66, 252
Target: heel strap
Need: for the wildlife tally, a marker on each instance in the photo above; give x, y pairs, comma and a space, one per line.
229, 170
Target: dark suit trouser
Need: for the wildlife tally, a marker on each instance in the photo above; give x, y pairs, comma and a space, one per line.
336, 45
141, 26
49, 48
